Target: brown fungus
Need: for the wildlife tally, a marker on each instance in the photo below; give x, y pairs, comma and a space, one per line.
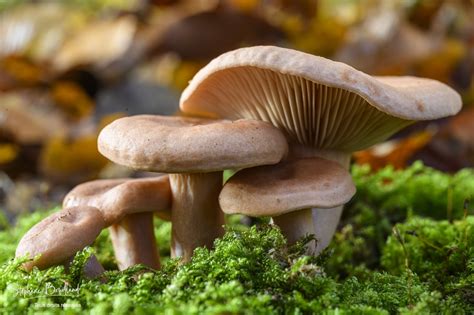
57, 238
325, 108
194, 152
287, 192
128, 206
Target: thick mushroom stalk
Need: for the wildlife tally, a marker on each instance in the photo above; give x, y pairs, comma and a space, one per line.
134, 241
297, 224
325, 221
318, 103
287, 192
127, 206
194, 152
196, 215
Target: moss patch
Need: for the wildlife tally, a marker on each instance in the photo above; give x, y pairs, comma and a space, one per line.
397, 252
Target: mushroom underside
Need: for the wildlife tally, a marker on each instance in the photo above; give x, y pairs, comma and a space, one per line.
310, 113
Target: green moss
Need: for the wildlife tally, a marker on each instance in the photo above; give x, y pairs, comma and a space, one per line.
248, 271
389, 257
426, 191
386, 198
441, 253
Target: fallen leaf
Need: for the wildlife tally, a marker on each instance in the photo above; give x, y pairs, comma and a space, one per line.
72, 99
8, 152
97, 44
205, 35
72, 160
394, 152
17, 71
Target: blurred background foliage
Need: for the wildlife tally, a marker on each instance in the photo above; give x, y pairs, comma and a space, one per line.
67, 68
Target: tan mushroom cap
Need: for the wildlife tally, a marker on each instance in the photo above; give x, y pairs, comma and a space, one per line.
288, 186
60, 236
116, 198
188, 145
316, 101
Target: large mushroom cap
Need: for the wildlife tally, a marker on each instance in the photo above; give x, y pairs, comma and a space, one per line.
188, 145
288, 186
316, 101
60, 236
116, 198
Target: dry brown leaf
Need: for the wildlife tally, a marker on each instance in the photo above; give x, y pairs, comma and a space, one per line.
205, 35
26, 118
99, 43
19, 125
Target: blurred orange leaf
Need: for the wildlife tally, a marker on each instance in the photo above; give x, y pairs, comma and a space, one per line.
8, 152
19, 71
395, 152
72, 99
72, 160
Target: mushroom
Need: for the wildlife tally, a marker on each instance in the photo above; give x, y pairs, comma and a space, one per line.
287, 192
127, 206
325, 108
194, 152
58, 237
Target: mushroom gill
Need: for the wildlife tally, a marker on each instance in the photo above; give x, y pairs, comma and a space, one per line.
308, 112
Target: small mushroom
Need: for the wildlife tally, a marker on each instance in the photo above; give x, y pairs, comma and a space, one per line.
194, 152
127, 206
58, 237
325, 108
287, 191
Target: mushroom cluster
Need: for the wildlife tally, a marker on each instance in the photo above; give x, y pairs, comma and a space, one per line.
285, 120
326, 109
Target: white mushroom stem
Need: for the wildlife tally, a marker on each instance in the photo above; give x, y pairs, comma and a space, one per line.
295, 225
325, 221
134, 241
196, 216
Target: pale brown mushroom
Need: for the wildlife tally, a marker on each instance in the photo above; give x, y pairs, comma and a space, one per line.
127, 206
195, 152
58, 237
287, 191
325, 108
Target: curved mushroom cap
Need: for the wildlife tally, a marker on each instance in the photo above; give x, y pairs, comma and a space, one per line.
116, 198
316, 101
288, 186
189, 145
60, 236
